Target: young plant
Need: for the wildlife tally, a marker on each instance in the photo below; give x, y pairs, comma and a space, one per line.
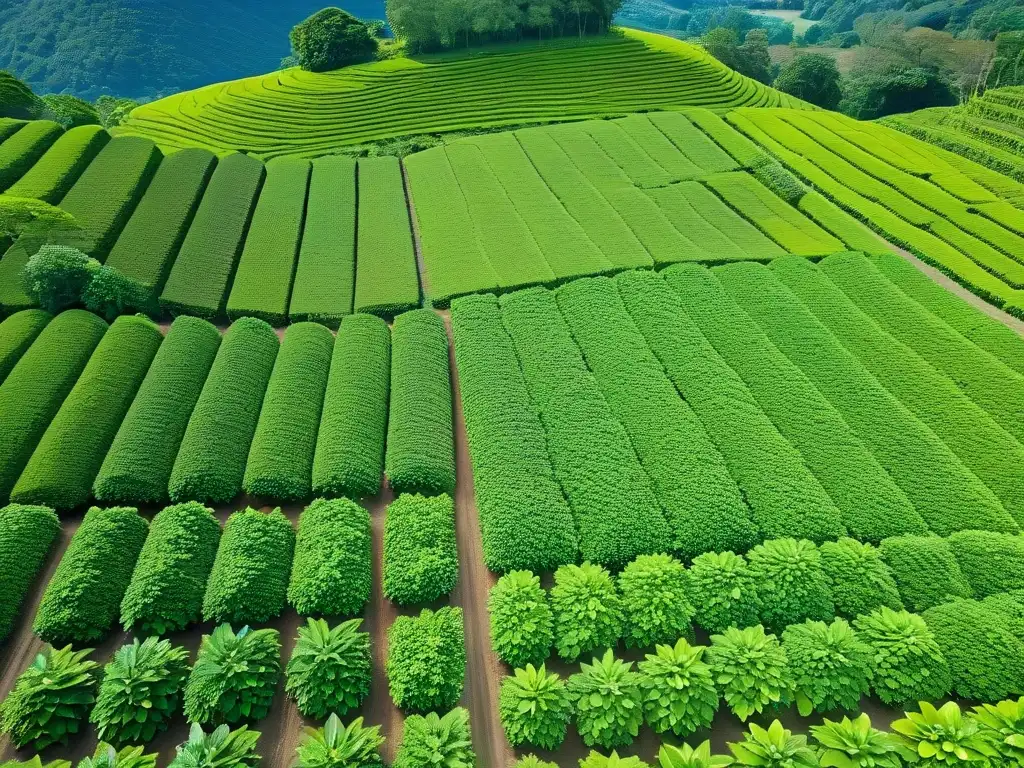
521, 620
607, 699
329, 671
426, 664
1002, 725
532, 761
597, 760
723, 591
429, 741
830, 666
234, 677
105, 756
37, 762
860, 581
140, 691
679, 692
792, 585
339, 746
587, 610
774, 747
50, 700
855, 744
654, 601
750, 670
685, 756
534, 707
943, 737
221, 748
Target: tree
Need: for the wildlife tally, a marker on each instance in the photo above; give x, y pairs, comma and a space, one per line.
755, 60
113, 111
1009, 62
57, 276
813, 77
884, 88
330, 39
723, 43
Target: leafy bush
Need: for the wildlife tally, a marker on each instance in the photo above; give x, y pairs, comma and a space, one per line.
17, 333
234, 676
57, 276
750, 669
429, 740
534, 708
723, 591
859, 580
587, 610
26, 536
829, 665
249, 579
908, 665
597, 760
331, 39
925, 570
942, 737
531, 761
521, 619
329, 670
220, 748
679, 694
990, 562
854, 743
654, 592
331, 573
791, 583
339, 746
774, 747
111, 293
50, 699
167, 587
426, 664
607, 699
774, 175
105, 756
1002, 725
36, 762
70, 111
421, 562
685, 756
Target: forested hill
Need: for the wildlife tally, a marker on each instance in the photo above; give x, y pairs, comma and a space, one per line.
149, 48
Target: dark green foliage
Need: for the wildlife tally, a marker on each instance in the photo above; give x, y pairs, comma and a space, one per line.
859, 580
139, 463
220, 748
57, 276
679, 694
250, 575
723, 591
140, 692
925, 570
813, 77
329, 670
829, 664
280, 462
750, 670
234, 677
521, 620
655, 602
990, 562
167, 587
778, 179
420, 447
17, 99
64, 162
426, 664
211, 462
421, 562
332, 571
429, 740
330, 39
587, 610
83, 599
69, 111
17, 333
338, 746
111, 293
791, 583
26, 535
607, 698
113, 111
21, 151
534, 708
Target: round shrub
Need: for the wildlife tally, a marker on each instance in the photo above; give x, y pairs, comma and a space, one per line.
750, 670
331, 38
522, 626
925, 570
859, 580
723, 591
534, 708
426, 664
330, 668
586, 608
654, 601
791, 584
421, 562
220, 747
430, 740
829, 665
57, 276
990, 562
607, 699
679, 691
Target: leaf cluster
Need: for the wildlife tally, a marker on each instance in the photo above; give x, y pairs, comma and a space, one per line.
221, 748
830, 666
791, 583
679, 694
329, 670
654, 590
421, 562
942, 737
426, 664
723, 591
534, 708
340, 746
597, 760
859, 580
106, 756
685, 756
522, 625
855, 744
430, 740
1002, 725
750, 669
607, 699
773, 747
587, 610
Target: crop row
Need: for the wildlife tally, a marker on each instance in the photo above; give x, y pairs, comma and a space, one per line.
55, 172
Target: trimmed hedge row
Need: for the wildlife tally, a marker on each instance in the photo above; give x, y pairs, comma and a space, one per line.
426, 664
139, 463
26, 535
83, 599
420, 446
349, 459
17, 333
421, 561
62, 165
280, 464
21, 151
210, 464
925, 570
61, 472
990, 562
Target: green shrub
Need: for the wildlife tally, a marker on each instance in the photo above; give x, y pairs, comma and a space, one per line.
426, 664
685, 756
220, 748
167, 587
17, 333
333, 562
22, 150
69, 110
329, 670
751, 670
534, 708
606, 697
234, 676
111, 293
925, 570
774, 175
791, 583
50, 699
942, 737
829, 665
140, 692
679, 694
521, 620
105, 756
331, 39
1002, 725
530, 761
56, 276
597, 760
774, 747
83, 599
990, 562
723, 591
859, 580
587, 610
655, 602
36, 762
421, 562
854, 743
339, 746
429, 740
26, 536
64, 162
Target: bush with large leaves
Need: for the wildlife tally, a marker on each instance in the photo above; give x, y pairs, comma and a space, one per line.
855, 744
1002, 725
723, 591
339, 746
534, 708
521, 620
654, 601
679, 692
532, 761
750, 670
860, 581
685, 756
597, 760
830, 666
426, 664
773, 747
607, 698
140, 691
791, 583
329, 671
105, 756
37, 762
430, 740
587, 610
943, 737
221, 748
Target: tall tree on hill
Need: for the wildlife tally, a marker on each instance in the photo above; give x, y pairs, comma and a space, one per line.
813, 77
331, 38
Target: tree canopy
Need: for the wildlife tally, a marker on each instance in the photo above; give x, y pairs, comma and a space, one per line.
813, 77
331, 38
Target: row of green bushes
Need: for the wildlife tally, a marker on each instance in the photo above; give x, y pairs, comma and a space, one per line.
421, 561
17, 333
55, 173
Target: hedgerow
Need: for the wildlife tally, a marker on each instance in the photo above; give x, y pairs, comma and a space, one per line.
138, 465
250, 574
655, 601
925, 570
831, 668
22, 150
56, 171
521, 619
420, 447
26, 536
234, 677
426, 739
750, 669
524, 518
211, 461
17, 333
83, 599
329, 669
426, 663
280, 464
37, 386
990, 562
587, 610
61, 472
167, 587
421, 562
534, 708
199, 280
679, 694
723, 591
791, 582
349, 458
860, 582
606, 697
340, 745
331, 574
